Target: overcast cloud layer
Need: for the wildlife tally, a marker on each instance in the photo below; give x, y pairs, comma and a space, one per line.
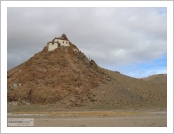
130, 40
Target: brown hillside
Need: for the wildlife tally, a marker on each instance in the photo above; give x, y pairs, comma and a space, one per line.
47, 77
138, 92
67, 78
157, 78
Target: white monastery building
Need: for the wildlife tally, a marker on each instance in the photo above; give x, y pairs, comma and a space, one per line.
57, 42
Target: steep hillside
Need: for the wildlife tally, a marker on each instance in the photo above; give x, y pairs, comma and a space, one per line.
67, 78
48, 77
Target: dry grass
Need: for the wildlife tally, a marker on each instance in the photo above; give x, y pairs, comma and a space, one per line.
83, 113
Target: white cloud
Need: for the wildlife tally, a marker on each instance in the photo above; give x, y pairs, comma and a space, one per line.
110, 36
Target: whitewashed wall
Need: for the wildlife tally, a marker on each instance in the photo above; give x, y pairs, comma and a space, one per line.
51, 46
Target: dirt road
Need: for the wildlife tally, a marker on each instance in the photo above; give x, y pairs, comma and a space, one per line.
98, 119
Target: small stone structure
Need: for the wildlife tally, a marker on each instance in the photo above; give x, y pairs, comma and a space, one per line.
13, 86
57, 42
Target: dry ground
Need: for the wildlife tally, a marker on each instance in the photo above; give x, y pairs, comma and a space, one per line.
112, 118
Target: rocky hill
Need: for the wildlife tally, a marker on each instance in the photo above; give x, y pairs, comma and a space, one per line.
67, 78
48, 77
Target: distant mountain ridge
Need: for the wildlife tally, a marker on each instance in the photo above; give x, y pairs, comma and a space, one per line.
158, 78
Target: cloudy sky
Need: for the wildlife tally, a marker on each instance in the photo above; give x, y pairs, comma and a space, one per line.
132, 41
